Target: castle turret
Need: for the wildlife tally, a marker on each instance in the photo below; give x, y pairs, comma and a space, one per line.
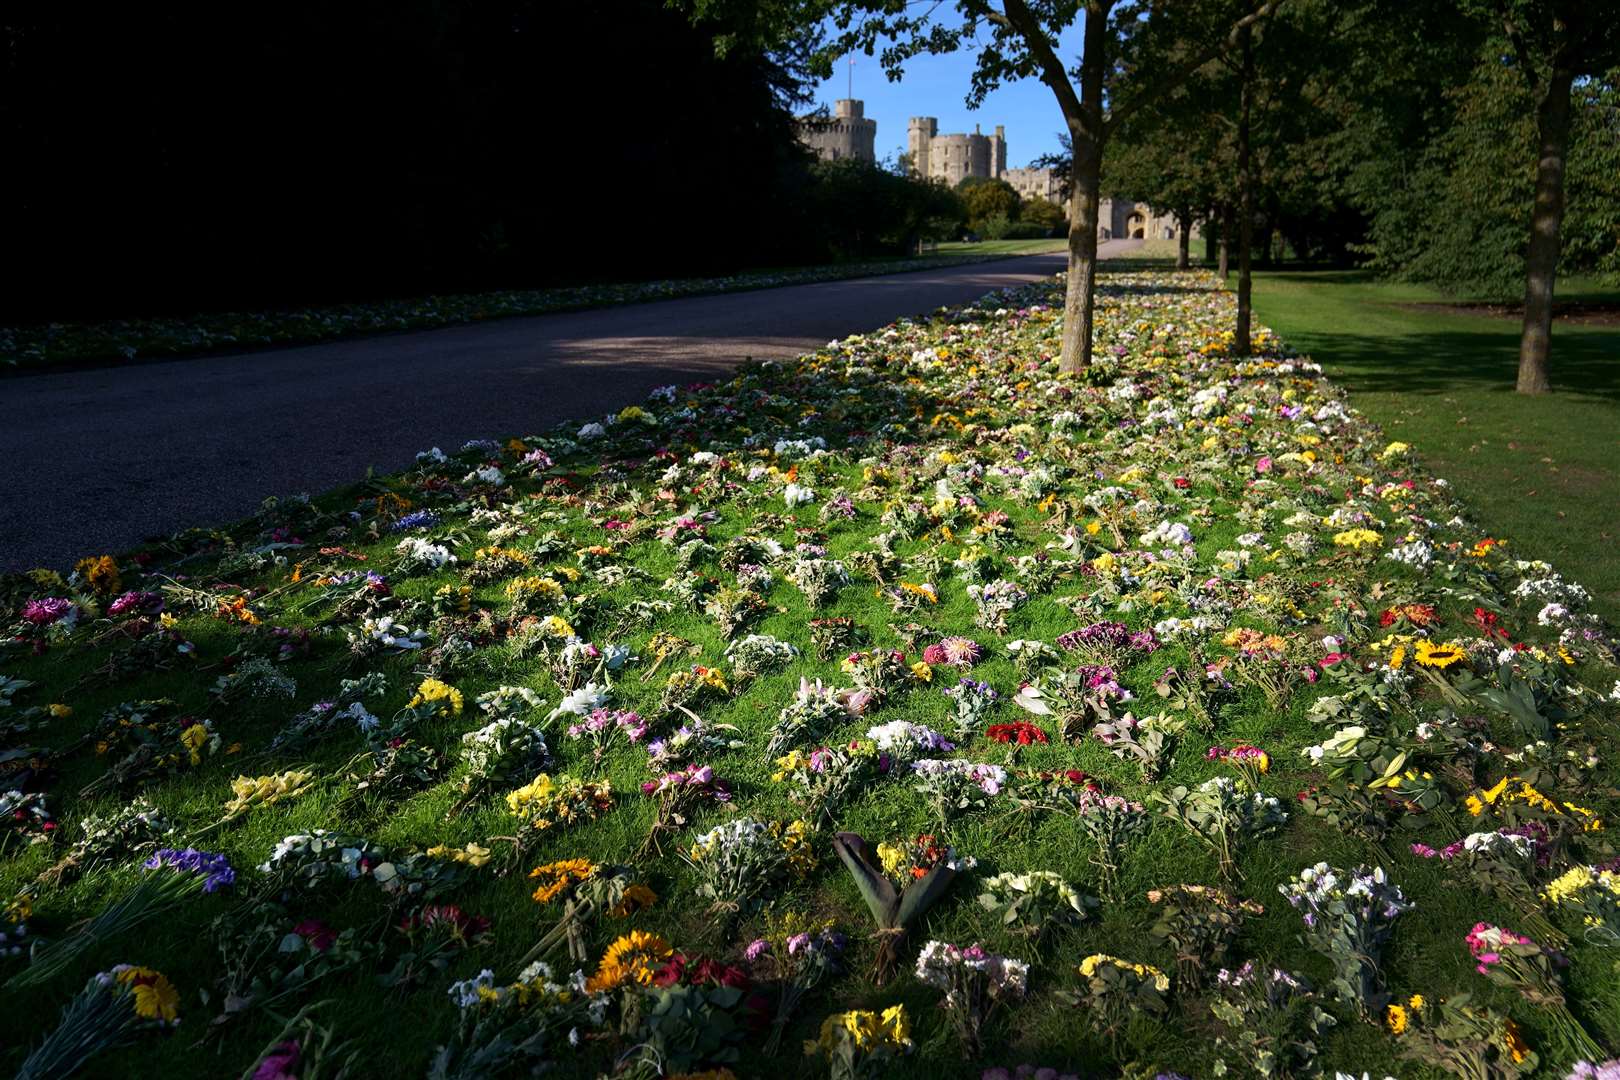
847, 134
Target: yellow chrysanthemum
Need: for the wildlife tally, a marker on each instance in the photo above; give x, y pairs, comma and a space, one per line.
155, 997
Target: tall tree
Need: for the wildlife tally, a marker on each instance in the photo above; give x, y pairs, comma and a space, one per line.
1554, 43
1018, 39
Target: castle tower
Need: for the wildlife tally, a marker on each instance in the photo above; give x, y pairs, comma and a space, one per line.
998, 152
847, 134
920, 134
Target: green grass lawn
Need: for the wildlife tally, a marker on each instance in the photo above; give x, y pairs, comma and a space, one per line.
1543, 472
1004, 247
1239, 509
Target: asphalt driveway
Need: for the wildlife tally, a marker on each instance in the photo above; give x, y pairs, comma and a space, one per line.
98, 460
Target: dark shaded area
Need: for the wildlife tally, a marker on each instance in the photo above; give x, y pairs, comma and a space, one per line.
173, 157
1434, 361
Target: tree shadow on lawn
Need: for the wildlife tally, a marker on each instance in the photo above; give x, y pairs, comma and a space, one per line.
1583, 363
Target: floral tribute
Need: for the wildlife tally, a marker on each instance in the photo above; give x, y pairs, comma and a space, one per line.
664, 742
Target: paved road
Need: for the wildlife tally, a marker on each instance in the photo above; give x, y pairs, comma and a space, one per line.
96, 461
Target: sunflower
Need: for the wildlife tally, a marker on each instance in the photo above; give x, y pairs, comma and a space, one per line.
635, 898
1395, 1017
1431, 655
629, 960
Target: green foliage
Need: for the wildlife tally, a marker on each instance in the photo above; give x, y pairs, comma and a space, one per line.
987, 200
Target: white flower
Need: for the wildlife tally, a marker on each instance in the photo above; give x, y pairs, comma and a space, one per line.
434, 456
581, 701
797, 495
591, 431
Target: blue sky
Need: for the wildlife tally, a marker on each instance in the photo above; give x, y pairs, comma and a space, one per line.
938, 86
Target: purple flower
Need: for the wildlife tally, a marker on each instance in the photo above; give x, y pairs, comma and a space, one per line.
136, 603
50, 609
213, 868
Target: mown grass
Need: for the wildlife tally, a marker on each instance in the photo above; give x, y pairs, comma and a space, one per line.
398, 1033
1543, 472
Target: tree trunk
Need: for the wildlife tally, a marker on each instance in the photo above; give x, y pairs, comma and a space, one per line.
1243, 345
1079, 300
1087, 134
1546, 222
1225, 267
1184, 231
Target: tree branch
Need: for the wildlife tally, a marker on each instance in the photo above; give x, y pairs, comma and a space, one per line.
1021, 20
1164, 84
1520, 49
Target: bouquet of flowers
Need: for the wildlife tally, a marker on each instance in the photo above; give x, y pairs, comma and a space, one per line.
905, 741
1594, 895
586, 890
734, 608
435, 934
24, 814
1222, 816
678, 794
973, 701
326, 717
1502, 864
818, 578
1460, 1038
696, 1012
822, 780
248, 792
861, 1043
740, 863
144, 740
832, 636
923, 869
546, 803
1031, 903
1532, 971
994, 602
113, 1008
602, 726
955, 787
799, 954
506, 1029
974, 982
757, 654
496, 755
810, 717
1348, 917
268, 957
1113, 824
172, 877
1249, 762
128, 830
879, 673
1116, 991
684, 689
1199, 922
1271, 1019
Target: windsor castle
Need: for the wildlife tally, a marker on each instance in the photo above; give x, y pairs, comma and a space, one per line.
849, 134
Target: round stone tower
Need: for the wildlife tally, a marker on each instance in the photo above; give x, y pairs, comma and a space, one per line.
847, 134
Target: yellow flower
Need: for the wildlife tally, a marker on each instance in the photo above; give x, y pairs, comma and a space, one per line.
432, 690
155, 996
1356, 538
629, 960
1395, 1017
555, 877
553, 626
893, 859
1416, 1003
1430, 655
922, 672
1394, 449
925, 591
637, 897
101, 573
60, 711
1398, 657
